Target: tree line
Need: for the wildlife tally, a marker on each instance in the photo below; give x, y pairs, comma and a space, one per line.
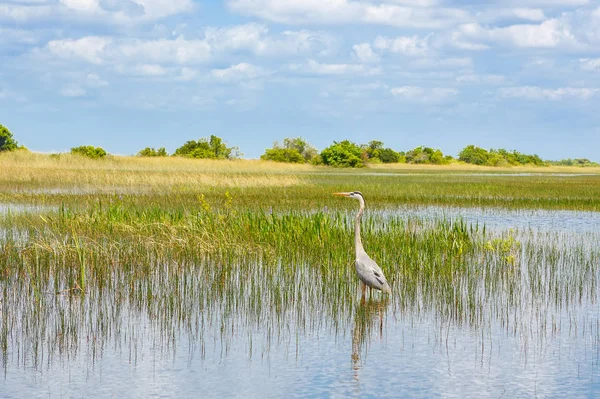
339, 154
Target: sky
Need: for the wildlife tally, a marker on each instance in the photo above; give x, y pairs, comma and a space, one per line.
129, 74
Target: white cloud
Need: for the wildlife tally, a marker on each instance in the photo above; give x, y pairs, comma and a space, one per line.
406, 45
241, 71
83, 5
442, 63
364, 53
170, 51
73, 91
24, 13
481, 79
590, 64
254, 37
540, 93
251, 38
156, 9
490, 15
570, 32
90, 48
424, 94
186, 74
316, 68
103, 11
92, 80
531, 14
550, 3
418, 14
150, 70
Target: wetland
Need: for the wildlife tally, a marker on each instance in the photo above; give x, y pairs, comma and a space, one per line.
186, 278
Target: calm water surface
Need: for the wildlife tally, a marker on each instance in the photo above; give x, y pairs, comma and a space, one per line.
379, 349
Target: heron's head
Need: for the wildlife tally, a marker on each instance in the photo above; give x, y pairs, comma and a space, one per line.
354, 194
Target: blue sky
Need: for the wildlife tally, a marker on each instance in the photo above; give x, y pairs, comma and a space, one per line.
126, 74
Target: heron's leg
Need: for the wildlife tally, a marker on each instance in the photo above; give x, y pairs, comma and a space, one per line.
363, 288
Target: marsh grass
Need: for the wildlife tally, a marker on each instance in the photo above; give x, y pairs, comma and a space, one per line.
81, 275
173, 182
261, 252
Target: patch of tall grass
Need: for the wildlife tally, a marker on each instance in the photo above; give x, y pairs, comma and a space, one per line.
80, 273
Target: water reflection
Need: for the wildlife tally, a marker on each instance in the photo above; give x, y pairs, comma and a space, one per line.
467, 311
368, 321
503, 219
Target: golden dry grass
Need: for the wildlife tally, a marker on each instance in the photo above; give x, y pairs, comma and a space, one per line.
21, 169
41, 170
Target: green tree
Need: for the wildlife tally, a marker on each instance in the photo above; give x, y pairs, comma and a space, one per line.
279, 154
293, 150
344, 154
373, 150
7, 142
211, 148
426, 155
387, 155
474, 155
307, 151
89, 151
151, 152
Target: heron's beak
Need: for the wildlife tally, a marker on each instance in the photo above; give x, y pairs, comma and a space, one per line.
342, 194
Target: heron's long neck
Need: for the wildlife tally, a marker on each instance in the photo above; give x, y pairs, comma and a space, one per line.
357, 241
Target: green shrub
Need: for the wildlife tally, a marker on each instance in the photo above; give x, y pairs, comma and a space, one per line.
426, 155
89, 151
343, 154
212, 148
151, 152
7, 142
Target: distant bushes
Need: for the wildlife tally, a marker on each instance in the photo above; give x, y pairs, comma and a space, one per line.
212, 148
343, 154
480, 156
89, 151
151, 152
7, 142
375, 152
427, 156
295, 150
574, 162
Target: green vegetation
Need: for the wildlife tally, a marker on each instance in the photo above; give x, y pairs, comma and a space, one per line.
574, 162
480, 156
343, 154
427, 156
295, 150
375, 152
7, 142
211, 148
235, 249
89, 151
151, 152
340, 154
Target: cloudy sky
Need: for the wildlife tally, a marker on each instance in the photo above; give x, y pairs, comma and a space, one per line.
126, 74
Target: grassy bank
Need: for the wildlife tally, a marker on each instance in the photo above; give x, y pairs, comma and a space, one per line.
177, 182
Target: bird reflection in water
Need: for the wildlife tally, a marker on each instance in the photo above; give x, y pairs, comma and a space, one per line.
368, 321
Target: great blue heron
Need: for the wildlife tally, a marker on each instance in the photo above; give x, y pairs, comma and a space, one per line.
369, 272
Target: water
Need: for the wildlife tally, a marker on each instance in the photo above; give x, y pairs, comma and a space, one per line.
14, 209
543, 340
500, 219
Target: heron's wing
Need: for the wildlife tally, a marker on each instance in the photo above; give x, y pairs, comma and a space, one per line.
369, 272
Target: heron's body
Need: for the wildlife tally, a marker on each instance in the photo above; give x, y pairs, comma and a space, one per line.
369, 273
